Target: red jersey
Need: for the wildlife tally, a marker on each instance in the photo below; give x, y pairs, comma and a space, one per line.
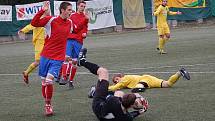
80, 24
57, 31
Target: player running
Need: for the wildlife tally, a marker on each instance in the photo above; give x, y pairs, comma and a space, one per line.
74, 44
162, 25
38, 43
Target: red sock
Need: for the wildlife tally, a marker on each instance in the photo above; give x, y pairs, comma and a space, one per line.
69, 66
43, 89
60, 74
49, 92
64, 70
73, 72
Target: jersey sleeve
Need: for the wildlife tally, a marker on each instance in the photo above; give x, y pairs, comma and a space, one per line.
116, 109
116, 87
171, 12
37, 21
122, 84
158, 10
27, 28
85, 27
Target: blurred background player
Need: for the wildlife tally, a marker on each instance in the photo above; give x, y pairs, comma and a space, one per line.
75, 43
138, 83
38, 43
53, 53
162, 25
110, 107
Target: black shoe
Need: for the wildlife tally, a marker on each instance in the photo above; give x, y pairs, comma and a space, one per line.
71, 86
91, 92
184, 73
82, 56
135, 90
63, 82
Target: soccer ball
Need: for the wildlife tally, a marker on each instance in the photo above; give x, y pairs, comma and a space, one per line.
141, 104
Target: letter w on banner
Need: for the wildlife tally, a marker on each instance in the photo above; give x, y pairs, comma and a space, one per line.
133, 14
28, 11
100, 13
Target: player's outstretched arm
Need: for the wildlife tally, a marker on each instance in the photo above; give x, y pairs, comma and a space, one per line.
174, 13
37, 21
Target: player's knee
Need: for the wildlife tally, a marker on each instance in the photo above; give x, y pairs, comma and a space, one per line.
165, 84
36, 63
167, 36
161, 36
102, 73
74, 62
68, 59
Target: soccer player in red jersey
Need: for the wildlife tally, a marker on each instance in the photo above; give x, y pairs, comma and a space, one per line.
53, 53
74, 44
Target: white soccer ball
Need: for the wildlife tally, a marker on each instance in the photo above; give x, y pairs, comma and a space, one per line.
141, 104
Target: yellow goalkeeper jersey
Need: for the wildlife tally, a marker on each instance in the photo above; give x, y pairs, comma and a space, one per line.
131, 81
128, 81
161, 13
38, 33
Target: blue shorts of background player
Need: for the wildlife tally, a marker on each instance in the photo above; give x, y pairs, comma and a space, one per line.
49, 67
73, 48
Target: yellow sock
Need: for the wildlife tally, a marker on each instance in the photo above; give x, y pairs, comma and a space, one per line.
30, 68
173, 79
161, 43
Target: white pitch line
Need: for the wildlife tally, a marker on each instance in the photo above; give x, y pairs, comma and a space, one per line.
143, 72
127, 69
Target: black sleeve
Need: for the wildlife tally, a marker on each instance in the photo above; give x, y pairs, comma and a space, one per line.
118, 113
134, 113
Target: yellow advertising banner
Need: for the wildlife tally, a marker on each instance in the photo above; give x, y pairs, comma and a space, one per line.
182, 3
133, 14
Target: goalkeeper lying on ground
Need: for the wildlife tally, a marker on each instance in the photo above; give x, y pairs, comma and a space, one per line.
139, 82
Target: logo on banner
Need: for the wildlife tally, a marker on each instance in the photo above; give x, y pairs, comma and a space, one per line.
196, 3
23, 12
94, 13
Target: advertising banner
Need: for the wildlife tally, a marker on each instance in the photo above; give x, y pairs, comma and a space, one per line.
28, 11
57, 5
5, 13
100, 13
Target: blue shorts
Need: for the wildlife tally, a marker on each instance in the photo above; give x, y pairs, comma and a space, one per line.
49, 66
73, 48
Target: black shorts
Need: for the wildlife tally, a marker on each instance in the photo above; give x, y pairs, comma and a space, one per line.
99, 106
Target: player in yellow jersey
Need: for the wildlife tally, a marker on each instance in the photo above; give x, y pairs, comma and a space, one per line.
38, 43
138, 83
163, 29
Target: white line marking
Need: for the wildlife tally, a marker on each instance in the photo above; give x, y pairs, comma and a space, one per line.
142, 72
127, 69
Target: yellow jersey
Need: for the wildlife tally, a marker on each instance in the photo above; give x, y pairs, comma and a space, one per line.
131, 81
128, 81
161, 13
38, 33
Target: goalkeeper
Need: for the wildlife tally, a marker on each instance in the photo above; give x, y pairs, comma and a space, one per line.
138, 83
110, 107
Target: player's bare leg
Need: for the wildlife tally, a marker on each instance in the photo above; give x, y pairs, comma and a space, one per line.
30, 68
